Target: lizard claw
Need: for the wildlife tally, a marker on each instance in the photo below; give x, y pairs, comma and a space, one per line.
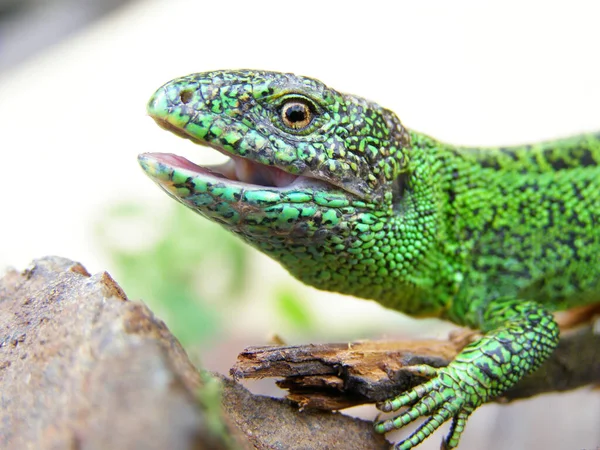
411, 396
449, 394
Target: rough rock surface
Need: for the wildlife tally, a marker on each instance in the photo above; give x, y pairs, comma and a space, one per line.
82, 367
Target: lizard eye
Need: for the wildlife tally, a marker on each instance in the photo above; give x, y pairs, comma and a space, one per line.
296, 114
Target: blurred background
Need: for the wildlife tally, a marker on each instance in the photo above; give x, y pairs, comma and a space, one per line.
74, 79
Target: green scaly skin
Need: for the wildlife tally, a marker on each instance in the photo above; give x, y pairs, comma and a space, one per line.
494, 239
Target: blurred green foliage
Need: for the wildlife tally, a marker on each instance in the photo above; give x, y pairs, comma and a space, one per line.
292, 309
164, 269
187, 269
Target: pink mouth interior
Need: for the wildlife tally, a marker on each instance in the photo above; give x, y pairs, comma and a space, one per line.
236, 169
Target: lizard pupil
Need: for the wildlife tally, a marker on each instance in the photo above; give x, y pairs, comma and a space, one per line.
296, 115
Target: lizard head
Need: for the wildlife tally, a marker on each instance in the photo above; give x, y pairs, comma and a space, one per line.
313, 174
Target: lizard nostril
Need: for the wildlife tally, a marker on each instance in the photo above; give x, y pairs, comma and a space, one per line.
186, 96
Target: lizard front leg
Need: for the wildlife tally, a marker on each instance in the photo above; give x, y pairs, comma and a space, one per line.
520, 336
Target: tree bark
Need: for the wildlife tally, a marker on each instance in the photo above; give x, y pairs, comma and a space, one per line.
336, 376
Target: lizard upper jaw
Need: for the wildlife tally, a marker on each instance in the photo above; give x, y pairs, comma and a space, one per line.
236, 169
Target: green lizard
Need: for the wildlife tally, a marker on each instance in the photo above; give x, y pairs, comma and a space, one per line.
348, 200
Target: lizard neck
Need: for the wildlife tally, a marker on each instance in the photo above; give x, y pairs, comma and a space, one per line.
396, 254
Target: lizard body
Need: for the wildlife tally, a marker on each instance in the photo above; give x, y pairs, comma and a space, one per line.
348, 200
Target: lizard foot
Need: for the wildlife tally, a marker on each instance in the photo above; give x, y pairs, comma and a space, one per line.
451, 393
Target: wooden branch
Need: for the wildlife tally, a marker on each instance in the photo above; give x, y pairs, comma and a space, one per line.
336, 376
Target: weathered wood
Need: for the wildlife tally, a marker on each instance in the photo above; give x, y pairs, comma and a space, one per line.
336, 376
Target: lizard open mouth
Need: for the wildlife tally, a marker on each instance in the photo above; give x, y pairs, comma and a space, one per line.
236, 169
